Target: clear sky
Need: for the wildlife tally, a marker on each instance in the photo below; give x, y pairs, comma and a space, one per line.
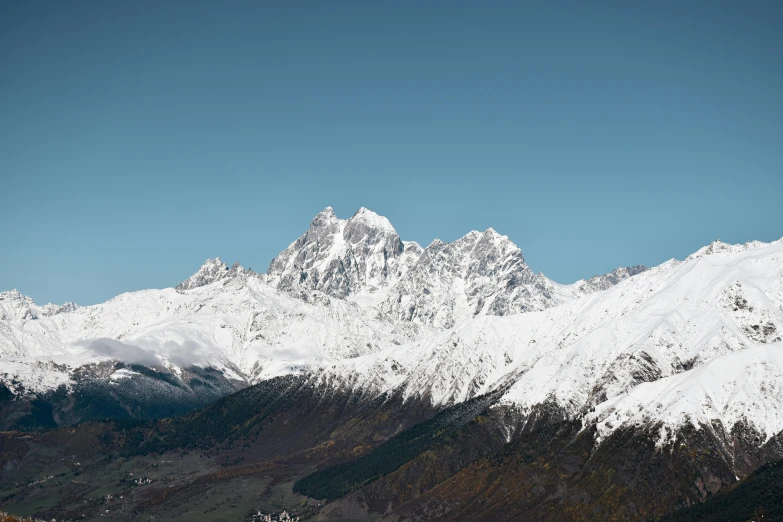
139, 138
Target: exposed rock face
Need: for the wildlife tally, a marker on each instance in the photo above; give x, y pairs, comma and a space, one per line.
606, 281
721, 249
341, 257
751, 311
478, 274
53, 309
15, 305
212, 270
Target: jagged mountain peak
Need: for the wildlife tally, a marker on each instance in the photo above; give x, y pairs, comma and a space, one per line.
328, 218
412, 245
489, 238
14, 295
209, 272
470, 236
366, 228
372, 220
324, 219
212, 270
340, 257
16, 305
54, 309
720, 248
210, 263
608, 280
481, 273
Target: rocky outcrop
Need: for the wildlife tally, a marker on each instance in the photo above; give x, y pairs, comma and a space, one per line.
342, 257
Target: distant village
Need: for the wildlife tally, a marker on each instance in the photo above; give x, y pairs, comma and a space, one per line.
282, 517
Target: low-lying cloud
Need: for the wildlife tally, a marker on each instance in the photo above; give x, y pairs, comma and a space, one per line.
145, 352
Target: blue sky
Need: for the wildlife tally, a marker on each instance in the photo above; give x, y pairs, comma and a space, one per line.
139, 138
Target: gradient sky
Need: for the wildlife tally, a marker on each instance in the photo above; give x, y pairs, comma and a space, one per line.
139, 138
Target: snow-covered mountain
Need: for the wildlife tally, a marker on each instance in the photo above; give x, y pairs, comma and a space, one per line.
236, 323
478, 274
352, 304
213, 270
670, 324
364, 259
606, 281
342, 257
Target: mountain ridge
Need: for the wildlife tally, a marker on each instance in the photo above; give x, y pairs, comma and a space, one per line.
352, 303
411, 379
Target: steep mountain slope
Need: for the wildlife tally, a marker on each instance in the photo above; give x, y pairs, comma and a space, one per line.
343, 257
420, 379
353, 304
743, 388
478, 274
606, 281
156, 345
212, 270
338, 292
363, 259
660, 323
236, 324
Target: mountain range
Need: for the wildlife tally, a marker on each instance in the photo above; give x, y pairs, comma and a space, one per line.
685, 353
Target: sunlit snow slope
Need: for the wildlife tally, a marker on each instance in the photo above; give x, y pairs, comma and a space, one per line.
349, 302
